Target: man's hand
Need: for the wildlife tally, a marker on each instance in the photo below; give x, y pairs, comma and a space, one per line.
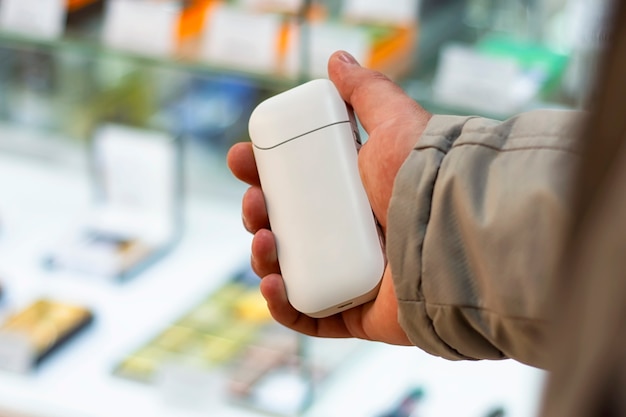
394, 122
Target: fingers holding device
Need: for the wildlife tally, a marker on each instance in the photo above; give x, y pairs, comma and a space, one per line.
305, 143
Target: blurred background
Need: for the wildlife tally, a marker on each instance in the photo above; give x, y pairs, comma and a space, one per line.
125, 288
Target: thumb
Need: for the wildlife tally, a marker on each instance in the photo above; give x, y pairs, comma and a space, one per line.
375, 98
392, 119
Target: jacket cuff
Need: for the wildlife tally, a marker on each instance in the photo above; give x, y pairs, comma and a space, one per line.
411, 205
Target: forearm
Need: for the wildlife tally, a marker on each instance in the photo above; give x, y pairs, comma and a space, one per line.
475, 231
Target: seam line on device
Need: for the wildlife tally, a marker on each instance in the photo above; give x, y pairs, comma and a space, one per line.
299, 136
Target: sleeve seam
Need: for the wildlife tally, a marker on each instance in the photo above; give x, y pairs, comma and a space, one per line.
496, 149
481, 309
519, 148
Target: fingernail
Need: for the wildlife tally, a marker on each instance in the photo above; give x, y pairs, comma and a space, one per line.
347, 58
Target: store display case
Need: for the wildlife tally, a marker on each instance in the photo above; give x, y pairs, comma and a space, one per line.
168, 316
188, 335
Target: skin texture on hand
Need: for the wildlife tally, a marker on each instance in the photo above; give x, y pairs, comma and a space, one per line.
394, 122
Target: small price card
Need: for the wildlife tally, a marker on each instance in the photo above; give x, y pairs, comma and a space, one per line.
137, 171
389, 11
17, 354
242, 39
42, 19
291, 6
141, 26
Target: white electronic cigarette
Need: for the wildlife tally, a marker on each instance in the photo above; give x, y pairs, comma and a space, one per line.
329, 249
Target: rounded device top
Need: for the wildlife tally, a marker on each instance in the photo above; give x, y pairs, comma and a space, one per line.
303, 109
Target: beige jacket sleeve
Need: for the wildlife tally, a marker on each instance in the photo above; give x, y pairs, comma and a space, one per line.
475, 230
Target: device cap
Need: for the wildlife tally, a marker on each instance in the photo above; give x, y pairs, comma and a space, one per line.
303, 109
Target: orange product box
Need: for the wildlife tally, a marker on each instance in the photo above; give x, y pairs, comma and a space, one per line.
73, 5
192, 18
392, 49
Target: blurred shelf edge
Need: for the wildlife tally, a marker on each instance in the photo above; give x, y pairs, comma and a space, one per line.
205, 172
421, 92
42, 146
91, 48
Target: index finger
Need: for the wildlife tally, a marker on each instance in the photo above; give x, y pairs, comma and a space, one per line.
240, 160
